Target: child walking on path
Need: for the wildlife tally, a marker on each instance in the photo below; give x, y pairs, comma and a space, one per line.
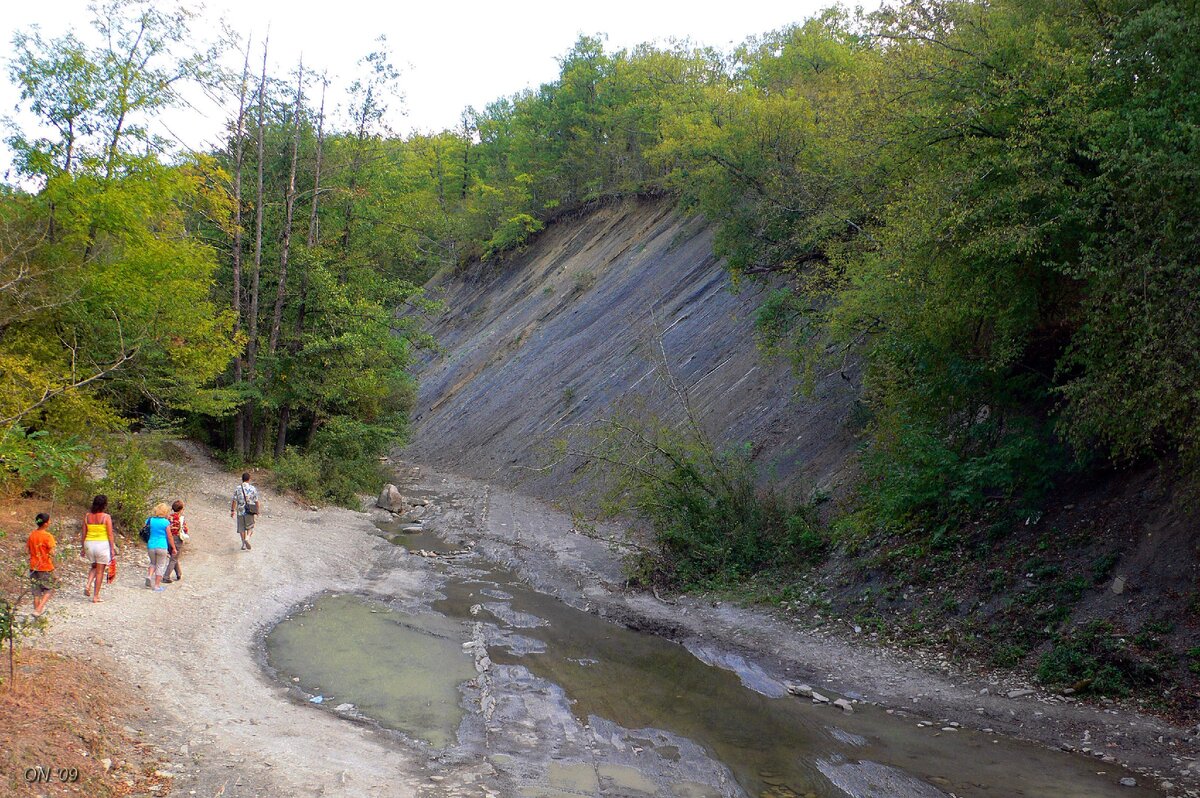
41, 563
178, 530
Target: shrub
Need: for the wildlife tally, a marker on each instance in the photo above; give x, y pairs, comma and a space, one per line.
34, 460
1098, 659
511, 235
712, 525
342, 461
129, 483
298, 472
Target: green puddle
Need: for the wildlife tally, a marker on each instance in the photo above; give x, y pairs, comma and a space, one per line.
402, 671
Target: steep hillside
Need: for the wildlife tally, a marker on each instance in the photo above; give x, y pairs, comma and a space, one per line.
546, 343
1100, 590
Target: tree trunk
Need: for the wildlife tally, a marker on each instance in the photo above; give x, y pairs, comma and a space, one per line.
239, 362
252, 320
281, 289
289, 210
285, 416
355, 167
310, 242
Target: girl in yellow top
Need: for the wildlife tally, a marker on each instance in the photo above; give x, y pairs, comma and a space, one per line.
97, 546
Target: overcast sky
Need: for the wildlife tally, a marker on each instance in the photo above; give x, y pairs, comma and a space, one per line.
451, 54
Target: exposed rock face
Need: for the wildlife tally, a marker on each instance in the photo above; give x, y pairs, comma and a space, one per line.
539, 347
391, 500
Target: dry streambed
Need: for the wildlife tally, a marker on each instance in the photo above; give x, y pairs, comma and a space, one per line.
446, 664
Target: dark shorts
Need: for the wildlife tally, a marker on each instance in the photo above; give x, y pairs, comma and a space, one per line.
42, 582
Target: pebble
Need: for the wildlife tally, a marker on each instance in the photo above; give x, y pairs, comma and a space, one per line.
818, 698
844, 706
1020, 693
1128, 782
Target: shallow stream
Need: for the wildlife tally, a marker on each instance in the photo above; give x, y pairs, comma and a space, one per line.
649, 709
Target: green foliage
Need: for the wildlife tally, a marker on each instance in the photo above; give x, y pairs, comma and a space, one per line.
129, 482
512, 234
342, 462
38, 459
984, 211
1095, 657
713, 525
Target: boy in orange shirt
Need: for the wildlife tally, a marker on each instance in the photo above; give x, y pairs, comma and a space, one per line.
41, 563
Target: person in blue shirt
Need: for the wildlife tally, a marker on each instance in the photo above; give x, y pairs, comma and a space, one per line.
159, 546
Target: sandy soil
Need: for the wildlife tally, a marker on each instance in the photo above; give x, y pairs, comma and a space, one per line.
191, 649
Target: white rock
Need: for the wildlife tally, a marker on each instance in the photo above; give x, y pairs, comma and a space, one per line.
391, 499
1020, 693
818, 698
802, 690
1128, 782
844, 706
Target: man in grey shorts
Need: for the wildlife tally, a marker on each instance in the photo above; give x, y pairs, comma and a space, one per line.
245, 496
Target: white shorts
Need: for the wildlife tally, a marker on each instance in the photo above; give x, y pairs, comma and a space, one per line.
97, 552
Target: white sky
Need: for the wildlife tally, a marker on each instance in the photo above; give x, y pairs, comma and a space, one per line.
451, 54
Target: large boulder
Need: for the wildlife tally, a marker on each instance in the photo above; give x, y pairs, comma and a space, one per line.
391, 500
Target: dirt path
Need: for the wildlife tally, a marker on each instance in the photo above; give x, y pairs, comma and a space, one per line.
226, 728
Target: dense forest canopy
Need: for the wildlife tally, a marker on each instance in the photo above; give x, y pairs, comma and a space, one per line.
993, 207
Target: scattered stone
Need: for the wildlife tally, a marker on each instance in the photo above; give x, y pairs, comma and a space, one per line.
1128, 782
844, 706
949, 728
985, 691
802, 690
391, 499
107, 763
1118, 586
818, 698
1167, 785
419, 502
1020, 693
344, 708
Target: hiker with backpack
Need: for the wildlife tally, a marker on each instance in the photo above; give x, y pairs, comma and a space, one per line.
245, 507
